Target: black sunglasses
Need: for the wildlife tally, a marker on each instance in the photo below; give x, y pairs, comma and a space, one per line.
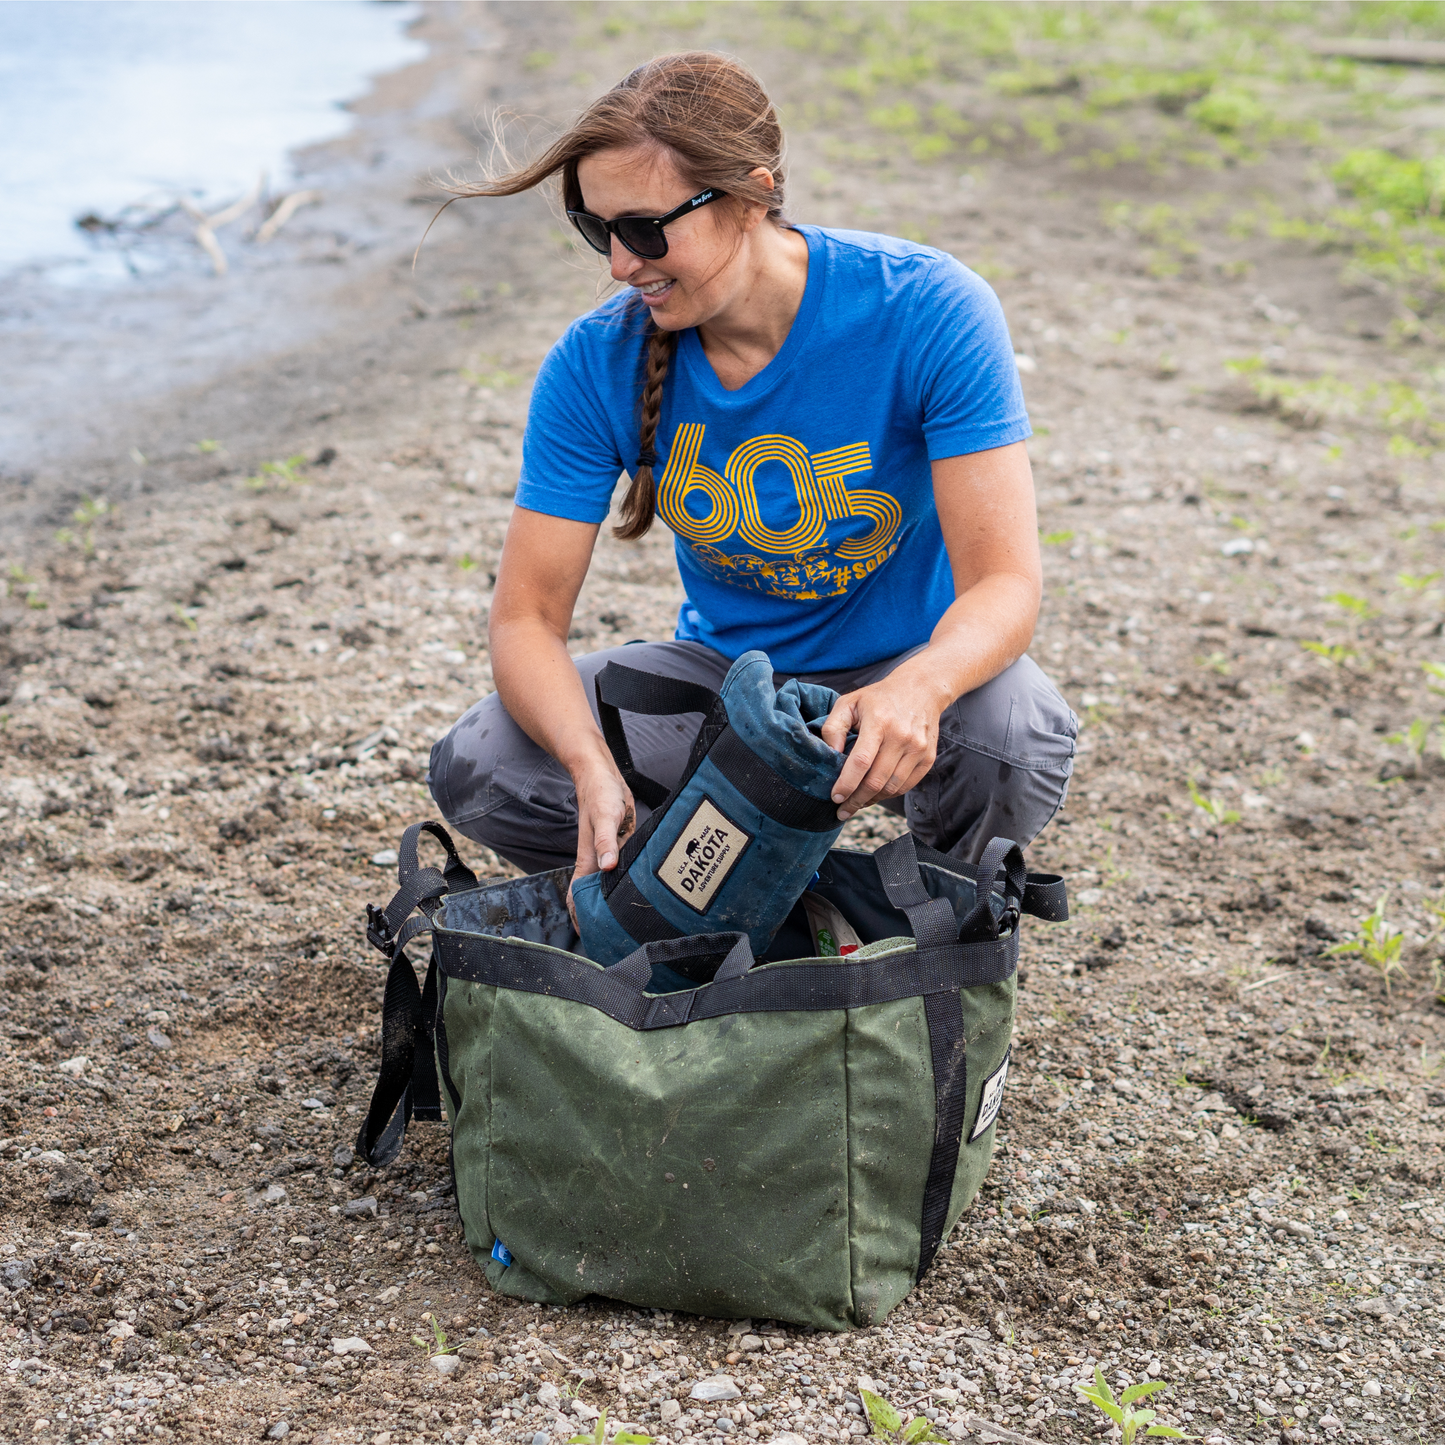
642, 235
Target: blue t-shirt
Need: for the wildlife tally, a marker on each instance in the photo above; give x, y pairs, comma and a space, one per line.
802, 502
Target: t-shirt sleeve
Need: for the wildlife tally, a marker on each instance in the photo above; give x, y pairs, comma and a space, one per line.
570, 461
967, 378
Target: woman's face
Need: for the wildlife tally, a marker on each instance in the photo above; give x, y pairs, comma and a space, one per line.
705, 266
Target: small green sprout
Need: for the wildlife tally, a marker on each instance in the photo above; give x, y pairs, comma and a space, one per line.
1212, 808
184, 617
1130, 1421
22, 583
599, 1435
1434, 669
90, 511
1057, 539
467, 563
1215, 662
1336, 654
1359, 607
438, 1344
1415, 582
888, 1424
206, 446
1378, 943
1416, 739
286, 474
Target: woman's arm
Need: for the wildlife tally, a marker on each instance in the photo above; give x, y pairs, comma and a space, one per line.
986, 510
544, 562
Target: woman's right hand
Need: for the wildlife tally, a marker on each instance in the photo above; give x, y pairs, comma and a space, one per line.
606, 815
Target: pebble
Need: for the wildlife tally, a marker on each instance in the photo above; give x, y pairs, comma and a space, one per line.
445, 1364
353, 1346
670, 1410
75, 1067
312, 1104
279, 1431
724, 1424
343, 1156
157, 1040
718, 1387
365, 1205
1370, 1389
385, 859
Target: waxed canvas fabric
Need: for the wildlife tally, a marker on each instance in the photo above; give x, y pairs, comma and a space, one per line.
797, 1145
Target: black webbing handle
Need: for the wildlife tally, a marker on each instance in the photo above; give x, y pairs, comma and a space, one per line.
932, 919
406, 1083
1045, 894
625, 689
738, 958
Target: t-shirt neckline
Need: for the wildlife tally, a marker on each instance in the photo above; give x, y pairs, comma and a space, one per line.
706, 379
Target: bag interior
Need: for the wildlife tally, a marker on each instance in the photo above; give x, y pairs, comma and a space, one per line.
535, 909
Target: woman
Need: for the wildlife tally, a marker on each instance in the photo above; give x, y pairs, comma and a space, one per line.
832, 425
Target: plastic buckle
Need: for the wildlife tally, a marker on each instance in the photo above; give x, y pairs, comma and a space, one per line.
377, 932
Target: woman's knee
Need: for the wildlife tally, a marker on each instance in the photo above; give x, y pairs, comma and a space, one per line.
1005, 755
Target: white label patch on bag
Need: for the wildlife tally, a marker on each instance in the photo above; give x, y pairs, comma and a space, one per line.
991, 1101
706, 851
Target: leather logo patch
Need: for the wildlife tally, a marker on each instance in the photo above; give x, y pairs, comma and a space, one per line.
706, 851
991, 1100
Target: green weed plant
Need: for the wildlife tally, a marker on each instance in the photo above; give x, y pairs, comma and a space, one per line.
1121, 1411
599, 1435
437, 1345
1218, 814
889, 1425
279, 474
1378, 943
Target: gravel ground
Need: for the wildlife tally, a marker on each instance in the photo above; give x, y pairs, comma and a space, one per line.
1219, 1161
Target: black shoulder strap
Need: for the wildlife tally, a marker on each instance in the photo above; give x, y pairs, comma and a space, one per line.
625, 689
406, 1084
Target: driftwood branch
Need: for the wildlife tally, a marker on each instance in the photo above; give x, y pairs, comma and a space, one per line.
207, 226
284, 211
1388, 52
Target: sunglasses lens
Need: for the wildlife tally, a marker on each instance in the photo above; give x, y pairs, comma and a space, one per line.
642, 238
593, 231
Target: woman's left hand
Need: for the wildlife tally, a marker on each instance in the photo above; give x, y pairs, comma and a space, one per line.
896, 720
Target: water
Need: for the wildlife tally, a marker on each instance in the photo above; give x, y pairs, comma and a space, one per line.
104, 103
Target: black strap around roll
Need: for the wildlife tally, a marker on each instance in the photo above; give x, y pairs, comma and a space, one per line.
638, 918
625, 689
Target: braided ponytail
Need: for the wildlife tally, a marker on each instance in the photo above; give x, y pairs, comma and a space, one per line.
639, 506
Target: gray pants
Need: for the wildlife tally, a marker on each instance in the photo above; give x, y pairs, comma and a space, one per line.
1005, 752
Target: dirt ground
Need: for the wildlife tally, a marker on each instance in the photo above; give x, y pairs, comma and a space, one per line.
1219, 1163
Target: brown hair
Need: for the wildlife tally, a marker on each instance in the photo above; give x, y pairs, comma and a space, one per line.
714, 120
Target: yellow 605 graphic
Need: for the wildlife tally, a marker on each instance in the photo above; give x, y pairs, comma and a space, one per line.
817, 485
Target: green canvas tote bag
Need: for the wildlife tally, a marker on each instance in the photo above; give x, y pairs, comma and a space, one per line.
693, 1128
